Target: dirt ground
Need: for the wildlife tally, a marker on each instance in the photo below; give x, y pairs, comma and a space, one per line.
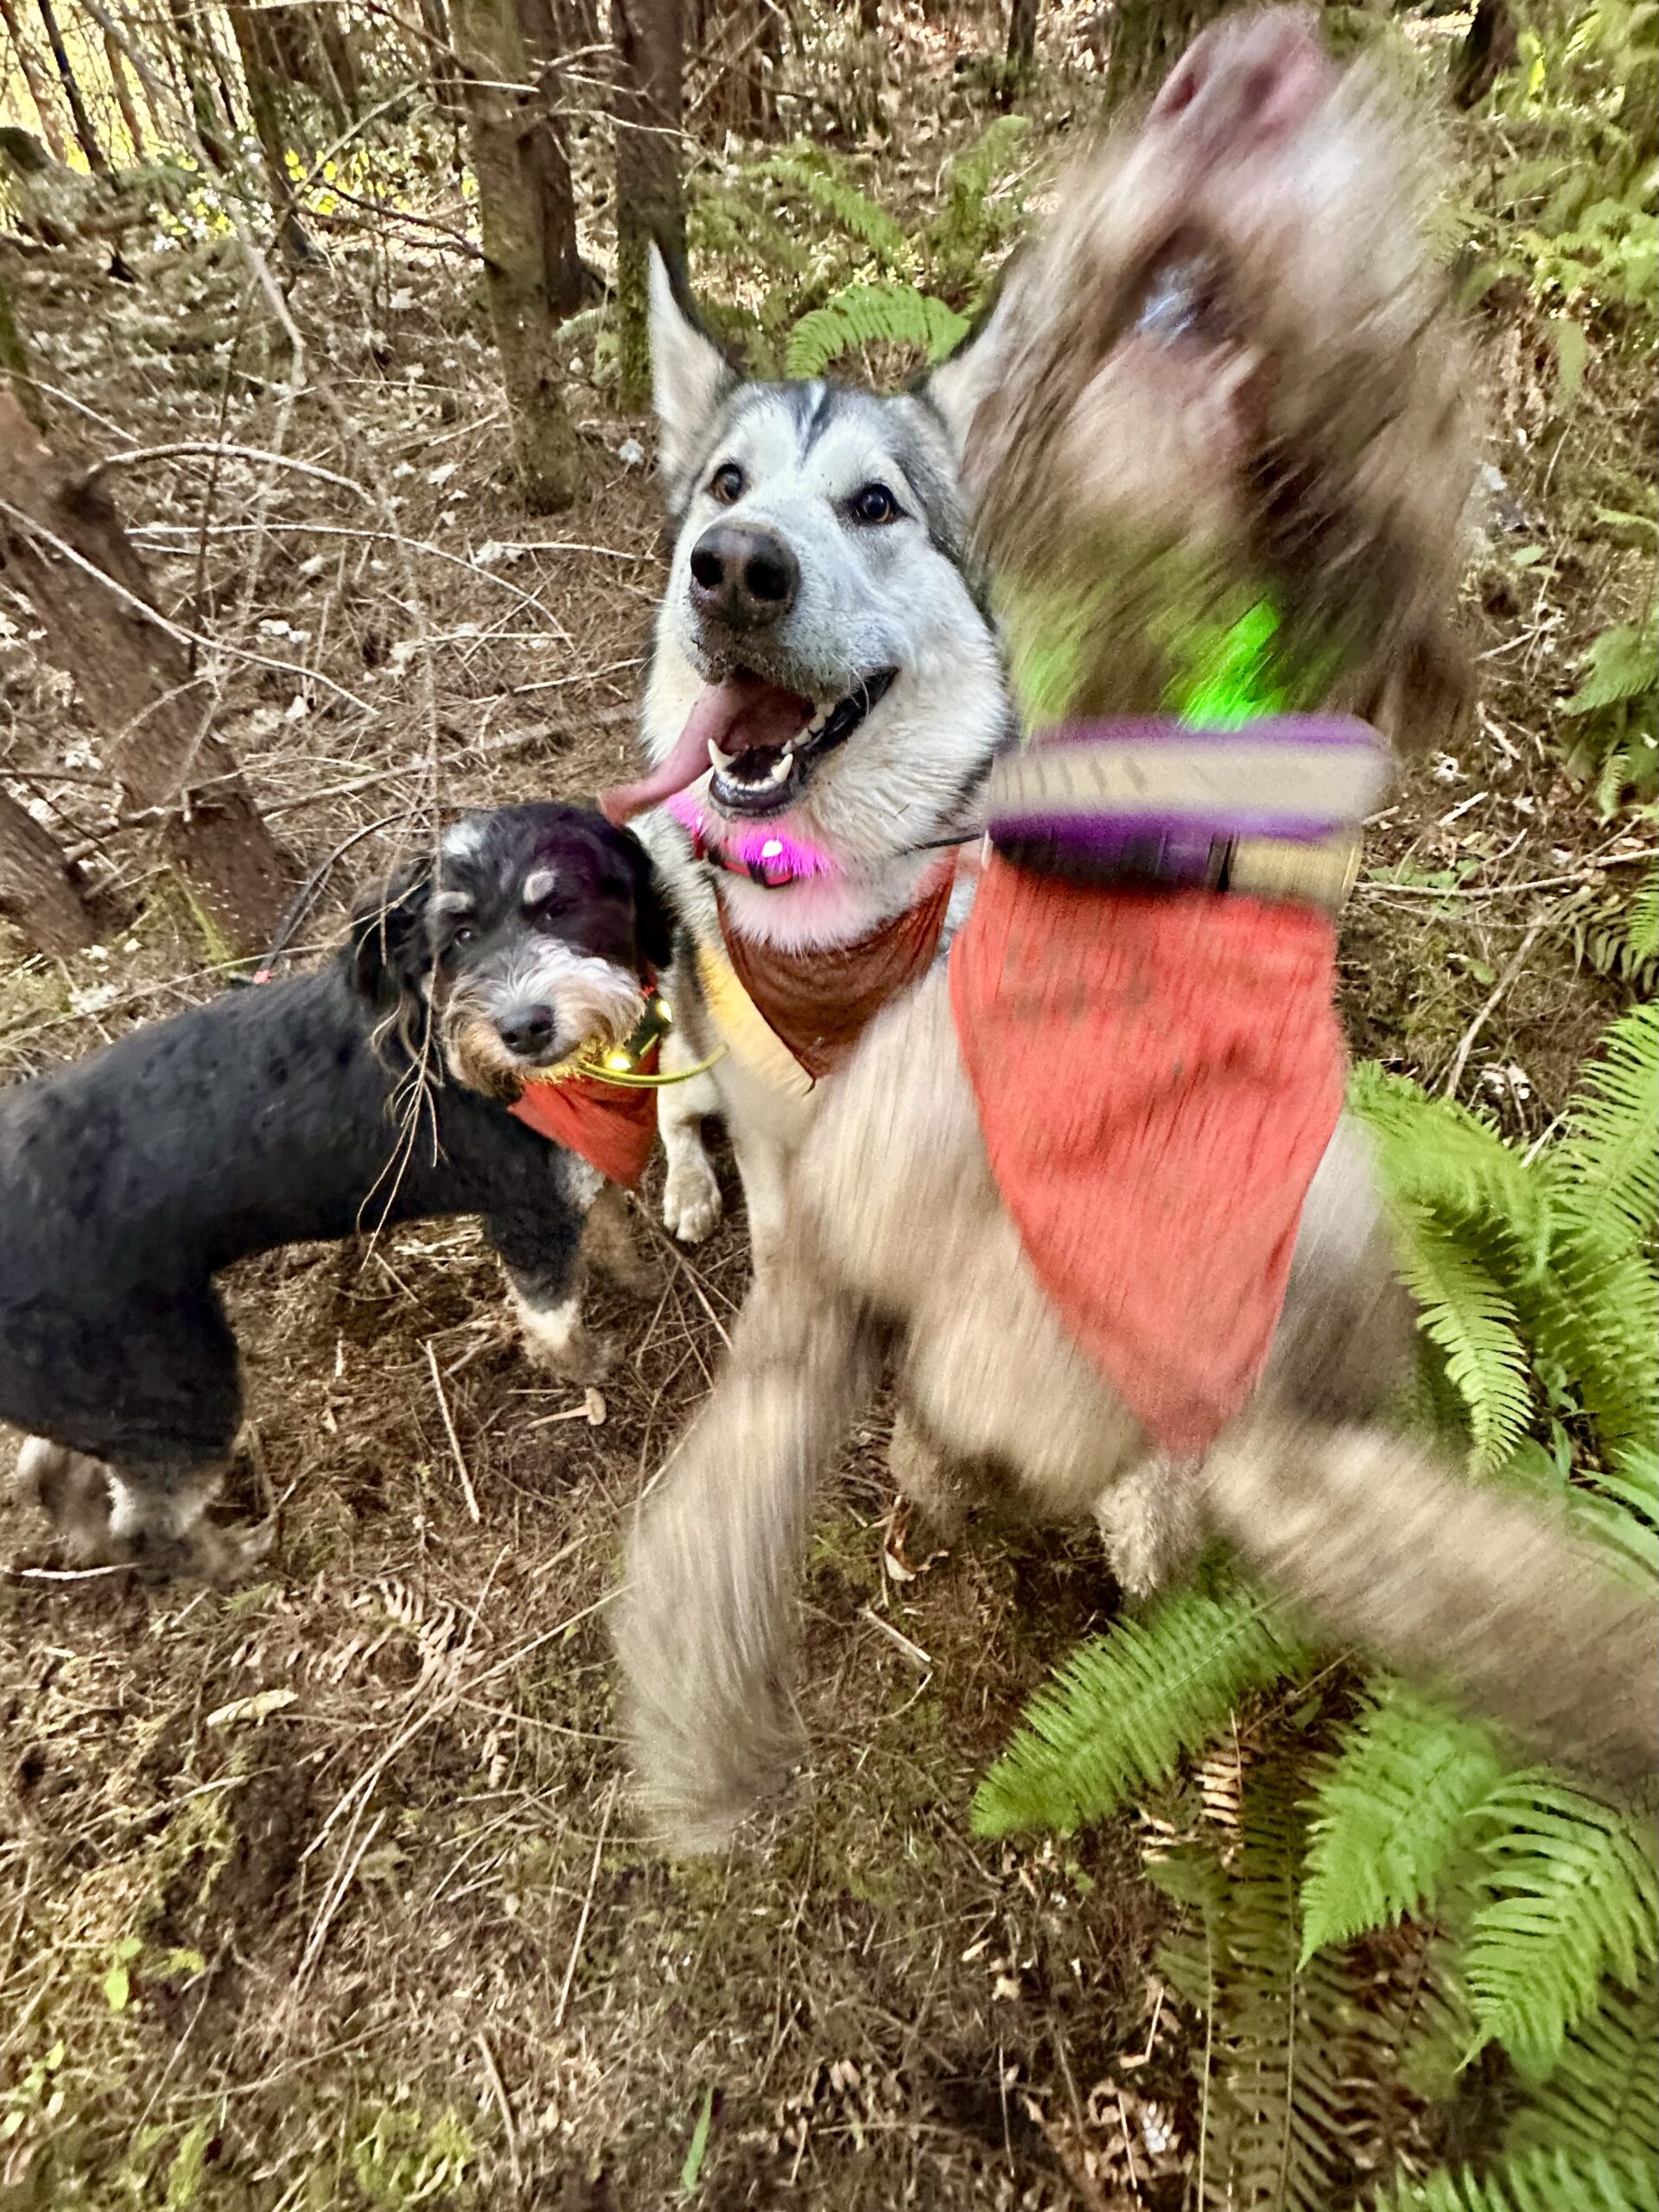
326, 1890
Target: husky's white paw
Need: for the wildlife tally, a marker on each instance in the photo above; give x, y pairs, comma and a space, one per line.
690, 1199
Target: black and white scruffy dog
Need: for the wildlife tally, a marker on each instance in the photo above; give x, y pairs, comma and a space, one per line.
301, 1110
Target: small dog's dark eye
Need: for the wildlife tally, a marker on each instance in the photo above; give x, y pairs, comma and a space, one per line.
463, 933
873, 503
726, 484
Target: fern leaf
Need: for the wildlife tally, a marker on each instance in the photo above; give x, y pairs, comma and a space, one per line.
1389, 1815
1476, 1325
1642, 922
1571, 1895
1604, 2092
1126, 1708
1534, 2181
1277, 2099
1592, 1317
1622, 664
1435, 1154
863, 314
809, 171
1610, 1160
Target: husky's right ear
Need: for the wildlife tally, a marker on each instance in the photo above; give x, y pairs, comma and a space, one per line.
958, 385
689, 374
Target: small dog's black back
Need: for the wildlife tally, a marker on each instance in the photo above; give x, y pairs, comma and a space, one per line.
296, 1111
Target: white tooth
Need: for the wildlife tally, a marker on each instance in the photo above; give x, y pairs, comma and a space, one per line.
718, 759
779, 768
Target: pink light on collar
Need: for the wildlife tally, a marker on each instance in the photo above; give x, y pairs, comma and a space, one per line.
759, 850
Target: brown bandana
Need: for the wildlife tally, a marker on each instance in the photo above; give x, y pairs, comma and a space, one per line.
820, 1001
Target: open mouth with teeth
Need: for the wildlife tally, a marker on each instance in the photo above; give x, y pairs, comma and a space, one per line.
759, 744
763, 744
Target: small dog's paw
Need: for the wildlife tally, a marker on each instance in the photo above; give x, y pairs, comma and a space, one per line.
691, 1205
566, 1349
226, 1556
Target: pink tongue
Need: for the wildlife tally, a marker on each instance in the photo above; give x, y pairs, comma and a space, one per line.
736, 715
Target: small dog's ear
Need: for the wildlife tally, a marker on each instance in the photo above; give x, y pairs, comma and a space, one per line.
653, 924
388, 952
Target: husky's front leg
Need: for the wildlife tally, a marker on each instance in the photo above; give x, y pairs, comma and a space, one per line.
705, 1625
692, 1204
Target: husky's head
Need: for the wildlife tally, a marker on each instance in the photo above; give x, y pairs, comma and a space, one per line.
822, 665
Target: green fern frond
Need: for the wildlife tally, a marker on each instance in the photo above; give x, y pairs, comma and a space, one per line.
1642, 922
1467, 1314
1127, 1706
1604, 2092
1390, 1813
1571, 1895
1592, 1317
864, 315
1437, 1155
1609, 1161
1622, 664
1534, 2181
1277, 2099
818, 178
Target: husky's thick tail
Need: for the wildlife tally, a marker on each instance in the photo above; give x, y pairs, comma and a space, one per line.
1439, 1575
704, 1626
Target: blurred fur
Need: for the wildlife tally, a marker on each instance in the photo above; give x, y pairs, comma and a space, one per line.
1338, 466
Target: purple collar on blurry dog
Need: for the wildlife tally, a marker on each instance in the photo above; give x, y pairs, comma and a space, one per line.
1273, 808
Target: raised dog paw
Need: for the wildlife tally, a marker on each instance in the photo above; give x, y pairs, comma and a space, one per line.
691, 1206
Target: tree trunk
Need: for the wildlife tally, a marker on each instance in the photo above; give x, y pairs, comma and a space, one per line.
1148, 38
648, 40
339, 62
265, 105
51, 129
135, 681
15, 371
186, 52
446, 87
82, 121
1022, 39
40, 892
116, 62
527, 221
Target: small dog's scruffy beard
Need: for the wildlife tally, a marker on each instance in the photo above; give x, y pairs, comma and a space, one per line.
597, 1003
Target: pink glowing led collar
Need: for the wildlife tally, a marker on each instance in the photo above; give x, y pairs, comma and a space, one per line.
759, 851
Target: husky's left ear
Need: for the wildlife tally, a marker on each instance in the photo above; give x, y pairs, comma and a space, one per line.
689, 375
956, 387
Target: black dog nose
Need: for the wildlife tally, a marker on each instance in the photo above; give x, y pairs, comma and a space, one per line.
747, 578
527, 1030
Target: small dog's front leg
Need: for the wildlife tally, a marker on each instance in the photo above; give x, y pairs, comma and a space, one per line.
540, 1253
611, 1244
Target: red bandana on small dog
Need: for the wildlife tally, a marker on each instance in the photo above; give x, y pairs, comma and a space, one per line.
612, 1128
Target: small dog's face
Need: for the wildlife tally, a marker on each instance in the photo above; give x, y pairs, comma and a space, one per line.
532, 940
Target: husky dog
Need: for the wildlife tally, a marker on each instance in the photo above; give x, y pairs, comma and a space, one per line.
823, 700
1226, 356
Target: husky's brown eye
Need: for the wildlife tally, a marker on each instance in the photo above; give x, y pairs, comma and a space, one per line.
726, 485
872, 503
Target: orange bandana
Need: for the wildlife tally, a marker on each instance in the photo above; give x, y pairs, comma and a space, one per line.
820, 1001
612, 1128
1158, 1074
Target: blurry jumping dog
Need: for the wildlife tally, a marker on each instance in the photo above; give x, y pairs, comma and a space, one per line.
1091, 1186
308, 1109
823, 700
